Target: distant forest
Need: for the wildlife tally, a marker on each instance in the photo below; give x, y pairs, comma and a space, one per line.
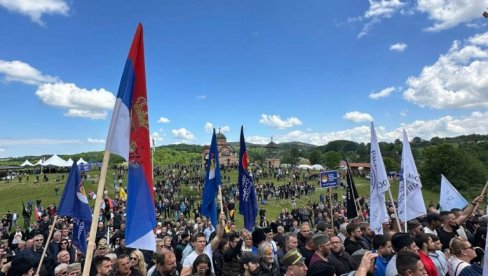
463, 159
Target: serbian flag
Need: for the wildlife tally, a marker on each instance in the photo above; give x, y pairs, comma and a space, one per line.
248, 206
74, 203
212, 182
129, 137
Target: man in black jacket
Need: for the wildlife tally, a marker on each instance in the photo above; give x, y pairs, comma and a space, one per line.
341, 260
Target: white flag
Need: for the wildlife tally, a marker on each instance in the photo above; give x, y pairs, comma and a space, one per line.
379, 184
410, 200
450, 197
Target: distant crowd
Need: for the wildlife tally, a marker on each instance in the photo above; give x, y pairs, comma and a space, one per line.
302, 240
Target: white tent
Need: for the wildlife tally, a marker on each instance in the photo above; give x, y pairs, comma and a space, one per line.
304, 167
69, 163
81, 161
56, 161
317, 167
27, 163
39, 163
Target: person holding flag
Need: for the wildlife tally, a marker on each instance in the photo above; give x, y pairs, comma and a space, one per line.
74, 203
248, 206
212, 183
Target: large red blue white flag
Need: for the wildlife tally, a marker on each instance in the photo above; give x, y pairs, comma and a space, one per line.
129, 137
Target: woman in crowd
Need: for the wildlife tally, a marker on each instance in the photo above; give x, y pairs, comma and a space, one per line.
202, 266
65, 244
462, 252
137, 261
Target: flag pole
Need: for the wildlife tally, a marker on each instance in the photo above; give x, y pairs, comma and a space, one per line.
96, 215
482, 194
221, 204
405, 203
47, 245
331, 209
395, 210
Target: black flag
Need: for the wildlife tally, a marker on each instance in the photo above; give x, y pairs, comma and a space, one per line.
351, 195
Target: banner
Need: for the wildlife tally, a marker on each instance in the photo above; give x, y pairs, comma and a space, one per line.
410, 200
379, 184
450, 197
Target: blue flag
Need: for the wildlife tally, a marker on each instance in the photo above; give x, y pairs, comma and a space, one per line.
212, 182
248, 206
450, 197
74, 203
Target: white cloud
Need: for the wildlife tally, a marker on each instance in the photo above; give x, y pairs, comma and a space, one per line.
398, 47
80, 102
275, 121
96, 141
22, 72
448, 14
156, 136
2, 150
457, 79
261, 140
383, 93
163, 120
37, 141
201, 97
209, 128
447, 126
378, 10
183, 134
35, 9
358, 117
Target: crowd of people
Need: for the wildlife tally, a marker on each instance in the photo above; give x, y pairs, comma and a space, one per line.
314, 239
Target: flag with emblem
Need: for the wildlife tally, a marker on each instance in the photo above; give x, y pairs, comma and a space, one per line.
212, 182
128, 137
248, 206
74, 203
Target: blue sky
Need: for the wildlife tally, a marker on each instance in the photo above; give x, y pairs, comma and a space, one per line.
309, 71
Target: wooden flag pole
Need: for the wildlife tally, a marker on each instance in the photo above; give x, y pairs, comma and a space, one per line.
395, 210
482, 194
331, 209
96, 215
47, 244
221, 205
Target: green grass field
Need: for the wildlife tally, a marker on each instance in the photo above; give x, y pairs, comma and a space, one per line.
14, 193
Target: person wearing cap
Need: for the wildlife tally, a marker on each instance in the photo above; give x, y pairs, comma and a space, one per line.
400, 242
432, 220
294, 263
319, 264
250, 264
